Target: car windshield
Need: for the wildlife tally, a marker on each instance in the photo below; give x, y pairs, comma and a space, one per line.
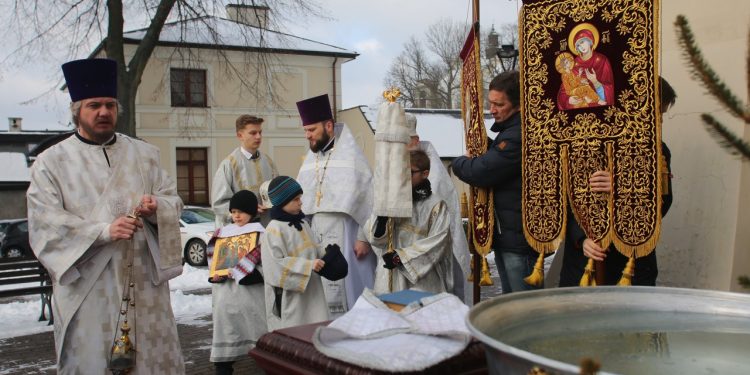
197, 215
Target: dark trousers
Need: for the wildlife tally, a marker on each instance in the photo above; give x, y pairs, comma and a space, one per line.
224, 368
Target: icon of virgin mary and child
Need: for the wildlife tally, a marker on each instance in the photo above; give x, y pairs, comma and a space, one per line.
587, 79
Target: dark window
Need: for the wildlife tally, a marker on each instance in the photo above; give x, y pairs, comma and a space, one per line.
188, 87
192, 175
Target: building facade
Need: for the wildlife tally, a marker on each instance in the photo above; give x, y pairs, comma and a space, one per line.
194, 88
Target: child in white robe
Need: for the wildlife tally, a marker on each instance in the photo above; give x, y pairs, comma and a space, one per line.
239, 311
421, 256
294, 293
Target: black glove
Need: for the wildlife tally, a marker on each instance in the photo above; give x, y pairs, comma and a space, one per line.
332, 247
391, 260
380, 226
336, 267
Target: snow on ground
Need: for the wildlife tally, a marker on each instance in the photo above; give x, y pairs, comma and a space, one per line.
19, 318
191, 279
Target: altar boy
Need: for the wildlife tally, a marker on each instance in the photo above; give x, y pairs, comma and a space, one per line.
294, 293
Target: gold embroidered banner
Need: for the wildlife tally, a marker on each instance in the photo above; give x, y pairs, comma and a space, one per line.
481, 218
590, 102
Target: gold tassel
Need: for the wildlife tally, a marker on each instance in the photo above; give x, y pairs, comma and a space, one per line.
537, 276
471, 274
486, 280
464, 205
664, 170
588, 275
627, 273
589, 366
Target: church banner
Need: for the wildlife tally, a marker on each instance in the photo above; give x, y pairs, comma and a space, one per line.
590, 102
481, 218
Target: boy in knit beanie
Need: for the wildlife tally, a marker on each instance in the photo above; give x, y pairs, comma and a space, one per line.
239, 311
294, 262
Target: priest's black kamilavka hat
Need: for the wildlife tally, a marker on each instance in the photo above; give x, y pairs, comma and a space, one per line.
91, 78
314, 110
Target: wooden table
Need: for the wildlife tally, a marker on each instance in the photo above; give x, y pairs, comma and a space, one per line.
290, 351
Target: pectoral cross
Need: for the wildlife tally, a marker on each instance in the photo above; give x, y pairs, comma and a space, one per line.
318, 195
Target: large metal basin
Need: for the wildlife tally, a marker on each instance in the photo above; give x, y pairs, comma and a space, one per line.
628, 330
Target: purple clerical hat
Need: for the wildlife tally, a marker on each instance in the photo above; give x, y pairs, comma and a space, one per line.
91, 78
314, 110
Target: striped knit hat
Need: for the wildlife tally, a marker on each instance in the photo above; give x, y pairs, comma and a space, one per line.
282, 190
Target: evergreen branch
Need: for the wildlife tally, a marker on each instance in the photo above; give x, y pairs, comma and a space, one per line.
703, 72
744, 281
728, 140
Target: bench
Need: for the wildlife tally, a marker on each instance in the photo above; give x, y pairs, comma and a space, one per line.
25, 271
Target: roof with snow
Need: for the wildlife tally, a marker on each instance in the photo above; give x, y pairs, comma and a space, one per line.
221, 33
442, 127
15, 168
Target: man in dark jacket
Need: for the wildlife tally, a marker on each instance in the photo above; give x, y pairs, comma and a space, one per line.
500, 169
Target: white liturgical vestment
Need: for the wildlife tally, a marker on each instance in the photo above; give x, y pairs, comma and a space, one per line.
294, 292
76, 191
423, 243
238, 172
337, 194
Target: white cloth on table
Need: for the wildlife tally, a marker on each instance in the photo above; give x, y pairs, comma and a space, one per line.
373, 336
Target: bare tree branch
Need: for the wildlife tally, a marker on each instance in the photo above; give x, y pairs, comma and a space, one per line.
429, 74
62, 30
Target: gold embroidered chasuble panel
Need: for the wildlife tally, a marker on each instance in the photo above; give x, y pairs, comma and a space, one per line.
590, 102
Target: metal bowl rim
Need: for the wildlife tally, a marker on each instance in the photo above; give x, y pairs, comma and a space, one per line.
564, 366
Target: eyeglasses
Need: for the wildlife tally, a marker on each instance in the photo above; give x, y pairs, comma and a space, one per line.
417, 171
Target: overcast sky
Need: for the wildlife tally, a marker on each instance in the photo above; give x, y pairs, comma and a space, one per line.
377, 30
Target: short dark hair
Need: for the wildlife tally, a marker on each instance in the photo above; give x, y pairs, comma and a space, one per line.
243, 120
668, 96
419, 159
508, 83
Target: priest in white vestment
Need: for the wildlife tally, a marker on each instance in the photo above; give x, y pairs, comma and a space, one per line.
444, 188
246, 168
97, 203
338, 197
415, 252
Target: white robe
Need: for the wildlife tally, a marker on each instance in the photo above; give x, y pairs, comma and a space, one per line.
443, 188
238, 311
423, 243
287, 255
344, 180
73, 197
236, 172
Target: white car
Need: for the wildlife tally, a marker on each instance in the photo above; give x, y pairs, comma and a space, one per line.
196, 229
